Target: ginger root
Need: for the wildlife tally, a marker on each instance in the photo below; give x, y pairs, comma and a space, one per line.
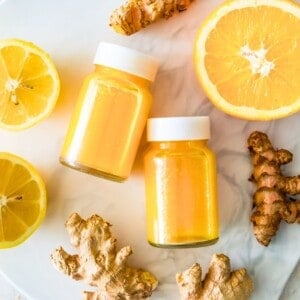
99, 263
219, 283
271, 203
137, 14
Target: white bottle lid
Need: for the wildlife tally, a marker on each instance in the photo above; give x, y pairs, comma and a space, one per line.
127, 60
178, 129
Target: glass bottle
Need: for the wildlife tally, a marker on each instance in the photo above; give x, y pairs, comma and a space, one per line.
180, 180
111, 113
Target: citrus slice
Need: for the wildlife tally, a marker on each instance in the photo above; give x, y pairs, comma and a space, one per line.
29, 84
247, 58
22, 200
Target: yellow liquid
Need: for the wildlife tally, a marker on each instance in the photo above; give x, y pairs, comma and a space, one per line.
107, 125
181, 194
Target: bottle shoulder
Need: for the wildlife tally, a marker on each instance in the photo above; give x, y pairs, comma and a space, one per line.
119, 78
194, 148
98, 80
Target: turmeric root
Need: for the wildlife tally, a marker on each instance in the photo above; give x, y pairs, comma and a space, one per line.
137, 14
99, 263
271, 203
219, 283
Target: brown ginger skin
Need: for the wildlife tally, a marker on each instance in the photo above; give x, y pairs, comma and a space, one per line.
137, 14
99, 263
271, 202
220, 283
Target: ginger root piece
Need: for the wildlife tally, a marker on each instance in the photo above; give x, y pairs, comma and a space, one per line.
137, 14
99, 263
271, 203
219, 283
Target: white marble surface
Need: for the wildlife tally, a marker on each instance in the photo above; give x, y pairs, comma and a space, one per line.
70, 31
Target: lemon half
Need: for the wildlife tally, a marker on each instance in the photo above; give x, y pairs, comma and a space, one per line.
29, 84
22, 200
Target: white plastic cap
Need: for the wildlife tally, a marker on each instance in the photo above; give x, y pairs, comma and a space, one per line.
178, 129
127, 60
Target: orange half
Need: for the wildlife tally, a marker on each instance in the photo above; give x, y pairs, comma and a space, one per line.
247, 58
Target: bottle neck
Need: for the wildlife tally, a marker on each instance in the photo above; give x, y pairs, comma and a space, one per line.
179, 144
107, 71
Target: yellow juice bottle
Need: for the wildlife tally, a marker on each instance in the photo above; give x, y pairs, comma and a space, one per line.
111, 113
180, 180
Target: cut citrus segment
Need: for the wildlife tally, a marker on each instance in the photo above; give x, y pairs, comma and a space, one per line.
247, 58
22, 200
29, 84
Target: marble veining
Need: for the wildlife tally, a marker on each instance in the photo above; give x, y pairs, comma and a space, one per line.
70, 31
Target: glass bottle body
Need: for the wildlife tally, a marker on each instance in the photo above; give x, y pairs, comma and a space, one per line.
107, 124
181, 194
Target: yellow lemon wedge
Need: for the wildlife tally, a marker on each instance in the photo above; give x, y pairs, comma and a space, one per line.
22, 200
247, 58
29, 84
